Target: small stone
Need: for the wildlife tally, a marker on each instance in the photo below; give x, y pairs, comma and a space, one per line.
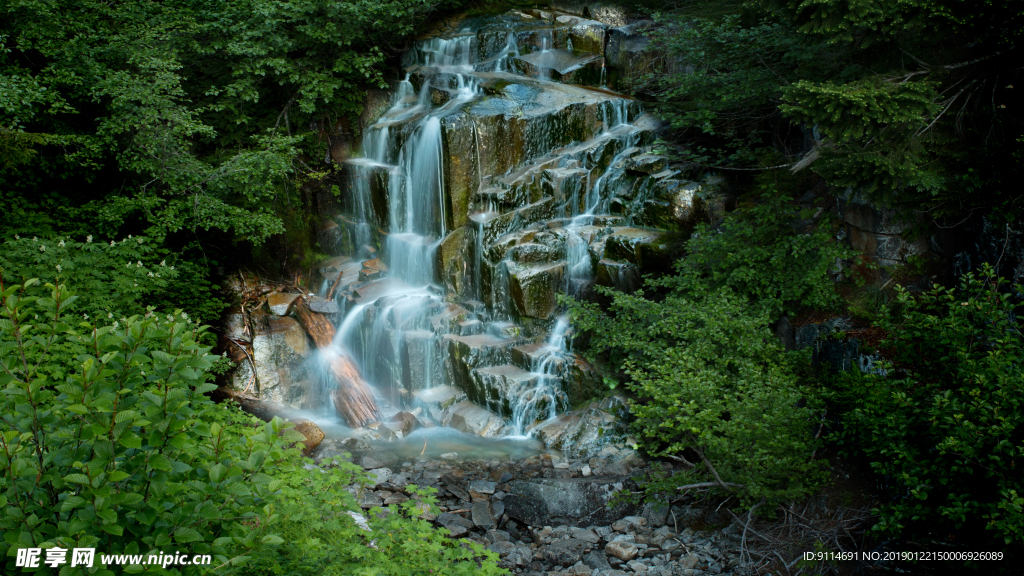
498, 507
379, 476
688, 562
482, 515
580, 569
395, 498
670, 545
624, 551
502, 548
369, 500
596, 560
584, 534
656, 513
493, 536
637, 566
482, 486
450, 456
586, 470
564, 552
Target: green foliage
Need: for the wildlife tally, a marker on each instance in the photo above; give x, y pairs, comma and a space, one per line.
762, 253
109, 279
945, 424
902, 99
115, 279
108, 441
714, 387
203, 107
107, 438
730, 80
312, 515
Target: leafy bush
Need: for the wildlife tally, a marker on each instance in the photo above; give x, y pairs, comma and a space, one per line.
109, 278
311, 514
113, 279
715, 389
107, 441
946, 422
107, 437
762, 253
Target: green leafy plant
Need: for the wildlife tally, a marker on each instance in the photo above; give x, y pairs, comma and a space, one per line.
716, 392
108, 441
764, 253
945, 423
315, 511
106, 438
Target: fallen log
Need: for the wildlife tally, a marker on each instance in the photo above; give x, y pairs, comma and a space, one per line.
353, 398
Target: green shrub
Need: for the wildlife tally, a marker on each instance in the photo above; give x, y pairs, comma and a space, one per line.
945, 423
113, 278
714, 387
762, 253
311, 515
107, 441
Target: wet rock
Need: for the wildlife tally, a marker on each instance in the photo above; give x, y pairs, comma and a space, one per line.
499, 388
535, 288
569, 501
324, 306
437, 400
565, 552
623, 276
461, 171
622, 550
472, 419
482, 515
452, 265
405, 423
646, 163
642, 247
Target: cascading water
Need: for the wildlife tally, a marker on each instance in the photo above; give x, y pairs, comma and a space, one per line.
455, 193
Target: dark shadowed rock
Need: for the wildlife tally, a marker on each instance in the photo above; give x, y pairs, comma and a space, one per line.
565, 552
569, 501
596, 561
482, 516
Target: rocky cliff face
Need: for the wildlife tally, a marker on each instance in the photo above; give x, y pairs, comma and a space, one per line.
498, 175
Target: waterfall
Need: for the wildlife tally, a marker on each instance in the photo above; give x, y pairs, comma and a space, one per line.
480, 195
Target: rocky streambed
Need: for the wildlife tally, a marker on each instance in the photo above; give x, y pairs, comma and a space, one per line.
550, 515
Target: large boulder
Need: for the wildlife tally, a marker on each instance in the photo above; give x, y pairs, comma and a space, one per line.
567, 501
280, 349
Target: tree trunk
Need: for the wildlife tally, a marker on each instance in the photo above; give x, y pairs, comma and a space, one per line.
353, 398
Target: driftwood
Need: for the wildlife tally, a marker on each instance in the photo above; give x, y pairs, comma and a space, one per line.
353, 398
